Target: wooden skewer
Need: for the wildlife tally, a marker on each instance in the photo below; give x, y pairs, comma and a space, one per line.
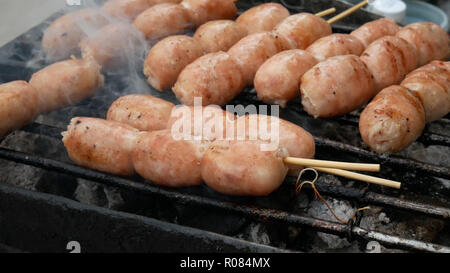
347, 12
362, 177
332, 164
326, 12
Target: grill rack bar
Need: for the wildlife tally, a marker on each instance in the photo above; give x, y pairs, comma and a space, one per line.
248, 211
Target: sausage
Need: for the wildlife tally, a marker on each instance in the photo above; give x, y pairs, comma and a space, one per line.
143, 112
374, 30
129, 9
430, 40
158, 157
431, 84
219, 35
216, 78
205, 123
302, 29
202, 11
294, 139
389, 59
101, 145
335, 45
163, 20
168, 58
240, 168
277, 81
252, 51
264, 17
348, 88
392, 121
113, 45
62, 37
65, 83
18, 105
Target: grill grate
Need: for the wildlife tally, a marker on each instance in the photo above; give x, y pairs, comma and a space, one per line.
416, 176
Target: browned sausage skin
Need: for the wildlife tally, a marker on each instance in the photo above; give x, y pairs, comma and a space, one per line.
19, 105
216, 78
113, 45
240, 168
202, 11
129, 9
301, 30
67, 82
374, 30
277, 81
336, 86
431, 84
252, 51
219, 35
430, 40
168, 58
62, 37
101, 145
160, 158
143, 112
392, 121
163, 20
264, 17
389, 59
335, 45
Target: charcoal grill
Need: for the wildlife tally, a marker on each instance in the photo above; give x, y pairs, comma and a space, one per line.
47, 219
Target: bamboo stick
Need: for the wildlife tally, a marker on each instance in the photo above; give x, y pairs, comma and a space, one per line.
347, 12
362, 177
326, 12
332, 164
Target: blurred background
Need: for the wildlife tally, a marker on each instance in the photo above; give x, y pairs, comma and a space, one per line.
17, 16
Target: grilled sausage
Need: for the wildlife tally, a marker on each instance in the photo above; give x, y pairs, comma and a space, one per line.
163, 20
430, 40
291, 137
335, 45
168, 58
129, 9
348, 88
202, 11
62, 37
277, 81
65, 83
18, 105
216, 78
219, 35
240, 168
160, 158
374, 30
431, 84
113, 45
101, 145
252, 51
264, 17
389, 59
143, 112
392, 121
301, 30
204, 123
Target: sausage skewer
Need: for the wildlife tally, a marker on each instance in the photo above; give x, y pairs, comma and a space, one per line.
166, 60
219, 77
277, 81
396, 117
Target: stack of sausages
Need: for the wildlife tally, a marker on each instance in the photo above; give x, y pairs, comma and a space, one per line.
109, 33
170, 56
396, 117
139, 135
